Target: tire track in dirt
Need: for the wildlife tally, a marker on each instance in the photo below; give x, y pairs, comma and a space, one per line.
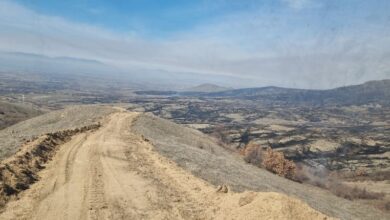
113, 173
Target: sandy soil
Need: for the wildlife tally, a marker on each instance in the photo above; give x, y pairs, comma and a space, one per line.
112, 173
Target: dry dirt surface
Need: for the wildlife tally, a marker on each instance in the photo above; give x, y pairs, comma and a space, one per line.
195, 152
12, 137
114, 173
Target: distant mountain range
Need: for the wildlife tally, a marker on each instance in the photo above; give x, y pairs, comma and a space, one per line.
374, 92
369, 92
135, 76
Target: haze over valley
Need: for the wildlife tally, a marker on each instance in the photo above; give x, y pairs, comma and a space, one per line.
194, 109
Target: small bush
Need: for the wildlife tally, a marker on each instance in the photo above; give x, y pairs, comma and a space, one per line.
276, 162
253, 153
273, 161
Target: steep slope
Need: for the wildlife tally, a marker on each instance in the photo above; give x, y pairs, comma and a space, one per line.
114, 173
199, 154
11, 113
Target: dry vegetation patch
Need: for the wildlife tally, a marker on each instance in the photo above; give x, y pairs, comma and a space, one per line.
351, 193
269, 159
275, 162
204, 158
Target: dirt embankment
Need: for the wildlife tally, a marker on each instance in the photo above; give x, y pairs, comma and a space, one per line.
114, 173
18, 172
13, 137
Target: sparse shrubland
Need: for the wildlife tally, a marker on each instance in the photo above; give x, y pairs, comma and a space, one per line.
351, 193
360, 175
275, 162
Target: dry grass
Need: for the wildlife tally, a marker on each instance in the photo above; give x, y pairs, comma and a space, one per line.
12, 113
385, 206
276, 162
218, 166
361, 175
351, 193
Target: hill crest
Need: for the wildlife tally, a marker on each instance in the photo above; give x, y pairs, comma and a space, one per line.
207, 88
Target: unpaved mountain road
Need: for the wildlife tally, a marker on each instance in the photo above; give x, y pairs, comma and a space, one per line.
113, 173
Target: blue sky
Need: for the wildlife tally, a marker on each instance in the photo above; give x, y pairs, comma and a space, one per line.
155, 18
294, 43
162, 18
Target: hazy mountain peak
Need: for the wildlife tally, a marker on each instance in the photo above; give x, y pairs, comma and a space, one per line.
207, 87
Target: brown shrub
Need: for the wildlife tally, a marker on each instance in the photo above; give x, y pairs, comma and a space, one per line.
253, 153
275, 162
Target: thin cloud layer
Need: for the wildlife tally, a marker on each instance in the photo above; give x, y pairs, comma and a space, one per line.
276, 45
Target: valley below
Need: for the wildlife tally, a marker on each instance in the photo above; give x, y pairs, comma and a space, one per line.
175, 151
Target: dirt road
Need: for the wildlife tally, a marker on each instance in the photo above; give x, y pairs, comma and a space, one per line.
112, 173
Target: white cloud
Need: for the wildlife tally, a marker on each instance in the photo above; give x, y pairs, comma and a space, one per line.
261, 48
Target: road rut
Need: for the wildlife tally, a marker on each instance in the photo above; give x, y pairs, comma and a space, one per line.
113, 173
